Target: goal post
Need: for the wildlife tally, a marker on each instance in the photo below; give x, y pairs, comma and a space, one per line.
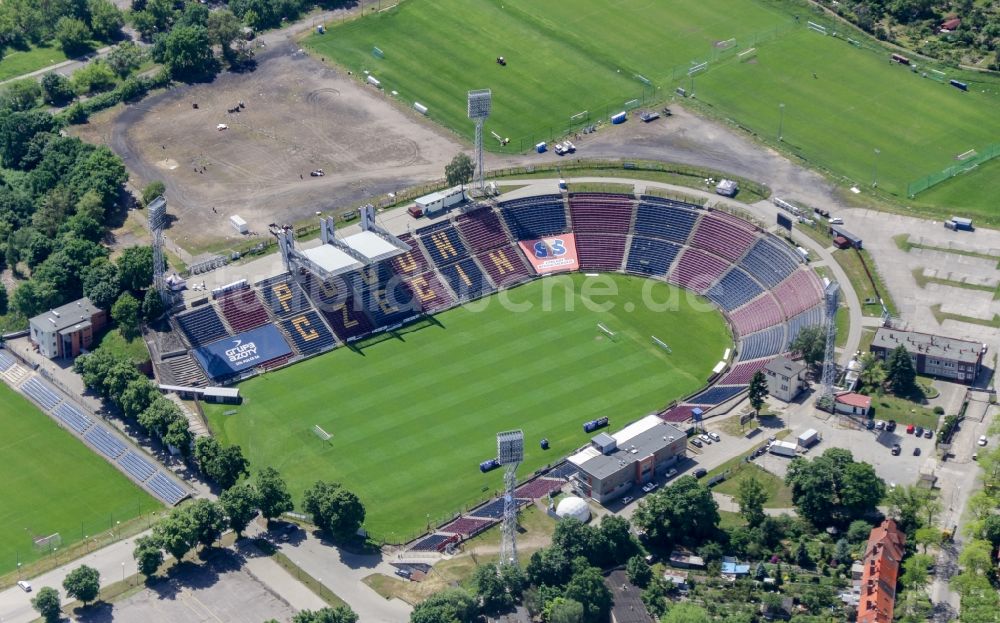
608, 332
46, 543
319, 432
661, 344
377, 52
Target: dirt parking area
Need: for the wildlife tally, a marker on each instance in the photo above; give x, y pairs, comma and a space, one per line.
300, 115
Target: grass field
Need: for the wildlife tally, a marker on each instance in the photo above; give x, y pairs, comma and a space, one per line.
413, 417
19, 62
973, 194
51, 482
563, 57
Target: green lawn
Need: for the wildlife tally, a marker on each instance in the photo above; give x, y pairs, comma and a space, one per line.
51, 482
19, 62
778, 495
413, 417
968, 195
563, 56
113, 341
903, 411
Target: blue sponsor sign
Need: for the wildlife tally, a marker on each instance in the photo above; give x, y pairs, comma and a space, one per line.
233, 355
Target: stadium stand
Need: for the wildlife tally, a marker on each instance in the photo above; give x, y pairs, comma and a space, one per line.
669, 221
383, 295
763, 343
413, 261
433, 295
482, 229
799, 292
697, 270
535, 218
347, 322
600, 252
136, 466
758, 314
467, 526
648, 256
243, 310
564, 470
505, 266
41, 392
308, 333
466, 280
283, 296
680, 413
601, 214
809, 318
538, 488
431, 543
73, 417
184, 370
491, 510
202, 325
444, 245
326, 295
769, 262
166, 489
726, 236
6, 361
734, 289
105, 442
742, 373
717, 394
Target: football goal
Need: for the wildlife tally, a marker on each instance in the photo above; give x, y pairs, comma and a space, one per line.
608, 332
47, 543
322, 434
661, 344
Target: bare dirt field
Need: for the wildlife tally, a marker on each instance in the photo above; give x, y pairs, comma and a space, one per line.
300, 115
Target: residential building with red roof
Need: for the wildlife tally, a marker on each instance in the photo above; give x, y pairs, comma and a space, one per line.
882, 560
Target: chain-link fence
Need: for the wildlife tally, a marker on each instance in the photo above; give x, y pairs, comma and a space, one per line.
967, 162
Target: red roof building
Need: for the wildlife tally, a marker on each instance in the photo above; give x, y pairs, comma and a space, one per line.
883, 556
951, 24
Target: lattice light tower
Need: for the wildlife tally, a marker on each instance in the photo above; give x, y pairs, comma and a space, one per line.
831, 296
157, 214
510, 452
480, 105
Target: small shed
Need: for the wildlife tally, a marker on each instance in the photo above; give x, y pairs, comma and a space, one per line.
727, 188
853, 404
441, 200
238, 224
839, 231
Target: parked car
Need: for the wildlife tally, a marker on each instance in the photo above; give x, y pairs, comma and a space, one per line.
705, 438
671, 473
715, 436
24, 586
982, 440
870, 425
916, 451
403, 573
879, 424
896, 449
909, 429
696, 442
890, 425
928, 433
701, 472
919, 432
836, 220
626, 500
649, 487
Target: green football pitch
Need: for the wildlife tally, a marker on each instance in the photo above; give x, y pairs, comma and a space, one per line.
569, 56
51, 482
413, 416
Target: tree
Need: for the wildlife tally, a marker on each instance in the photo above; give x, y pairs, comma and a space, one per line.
158, 415
915, 571
206, 449
139, 394
73, 35
223, 29
563, 610
900, 371
240, 505
490, 589
33, 297
872, 374
135, 266
177, 533
842, 551
273, 494
106, 19
3, 299
187, 53
148, 555
801, 554
912, 506
447, 606
125, 313
152, 305
56, 89
587, 587
833, 489
209, 519
48, 604
228, 467
153, 190
334, 509
21, 94
340, 614
638, 571
758, 391
83, 583
549, 566
684, 512
125, 58
459, 171
811, 344
178, 434
751, 496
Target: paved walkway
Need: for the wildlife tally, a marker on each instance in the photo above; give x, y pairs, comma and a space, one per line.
729, 503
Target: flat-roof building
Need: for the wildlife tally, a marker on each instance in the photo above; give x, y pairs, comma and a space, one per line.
785, 378
933, 355
65, 331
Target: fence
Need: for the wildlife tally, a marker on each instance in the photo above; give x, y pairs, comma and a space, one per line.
968, 164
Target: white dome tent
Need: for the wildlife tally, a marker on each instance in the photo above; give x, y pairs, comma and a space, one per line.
573, 507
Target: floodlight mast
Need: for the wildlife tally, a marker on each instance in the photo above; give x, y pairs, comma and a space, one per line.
480, 104
510, 452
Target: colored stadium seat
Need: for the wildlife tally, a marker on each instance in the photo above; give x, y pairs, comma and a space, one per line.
482, 229
136, 466
697, 270
742, 373
431, 543
758, 314
444, 246
466, 280
680, 413
540, 217
106, 443
665, 221
769, 261
243, 310
600, 252
347, 320
763, 343
283, 296
734, 289
73, 417
809, 318
505, 266
202, 325
41, 392
166, 489
6, 361
383, 295
799, 292
600, 213
538, 488
724, 235
649, 256
413, 261
431, 293
491, 510
467, 526
308, 332
717, 395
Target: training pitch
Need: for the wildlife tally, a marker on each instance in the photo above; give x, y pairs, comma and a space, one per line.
413, 416
51, 482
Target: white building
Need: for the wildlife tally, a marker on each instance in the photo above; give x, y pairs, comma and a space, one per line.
65, 331
785, 378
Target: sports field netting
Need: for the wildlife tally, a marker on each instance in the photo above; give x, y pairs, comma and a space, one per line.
413, 417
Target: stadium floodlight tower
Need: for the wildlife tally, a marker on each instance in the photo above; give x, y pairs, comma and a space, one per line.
831, 296
157, 215
480, 105
510, 452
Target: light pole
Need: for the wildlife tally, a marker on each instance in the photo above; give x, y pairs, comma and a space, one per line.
123, 573
781, 121
875, 168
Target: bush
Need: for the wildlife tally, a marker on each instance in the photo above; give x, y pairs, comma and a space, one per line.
939, 410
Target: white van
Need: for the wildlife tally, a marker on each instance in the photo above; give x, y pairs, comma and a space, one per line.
25, 586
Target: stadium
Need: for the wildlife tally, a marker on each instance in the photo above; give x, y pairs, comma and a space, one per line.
428, 367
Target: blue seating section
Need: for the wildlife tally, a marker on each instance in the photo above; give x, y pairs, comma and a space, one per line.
138, 467
717, 395
166, 489
808, 318
764, 343
72, 417
493, 510
648, 256
308, 332
431, 543
669, 222
6, 361
769, 262
734, 289
445, 246
466, 280
202, 326
105, 442
347, 320
535, 220
283, 296
41, 392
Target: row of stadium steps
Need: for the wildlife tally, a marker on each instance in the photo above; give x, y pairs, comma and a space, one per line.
202, 325
601, 252
182, 370
242, 310
460, 271
666, 219
531, 218
601, 213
